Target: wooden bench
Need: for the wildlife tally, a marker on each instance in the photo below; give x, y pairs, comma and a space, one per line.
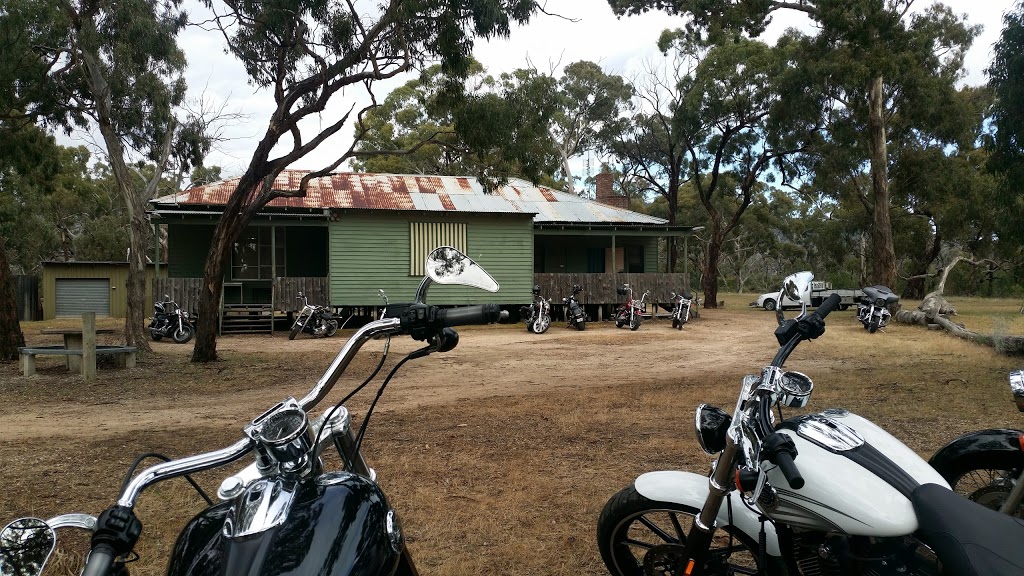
123, 355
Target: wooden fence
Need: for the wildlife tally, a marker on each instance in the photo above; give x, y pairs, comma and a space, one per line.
286, 291
184, 291
600, 288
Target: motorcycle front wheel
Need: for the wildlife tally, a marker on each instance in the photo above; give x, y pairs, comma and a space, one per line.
295, 329
183, 334
633, 530
873, 326
540, 325
156, 336
635, 322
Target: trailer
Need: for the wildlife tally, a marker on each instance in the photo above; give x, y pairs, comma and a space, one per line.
820, 290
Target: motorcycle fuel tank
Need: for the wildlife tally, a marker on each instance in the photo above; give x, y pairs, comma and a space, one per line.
858, 478
335, 525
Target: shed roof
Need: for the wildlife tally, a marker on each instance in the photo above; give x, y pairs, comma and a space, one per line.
421, 193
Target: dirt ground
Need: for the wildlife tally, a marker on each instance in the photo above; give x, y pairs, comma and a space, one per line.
499, 454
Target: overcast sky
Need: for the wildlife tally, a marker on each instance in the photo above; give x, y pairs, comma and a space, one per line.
619, 45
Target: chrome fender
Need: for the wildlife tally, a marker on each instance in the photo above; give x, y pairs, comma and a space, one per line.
691, 489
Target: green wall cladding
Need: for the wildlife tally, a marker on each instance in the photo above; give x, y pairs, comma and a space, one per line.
187, 247
370, 251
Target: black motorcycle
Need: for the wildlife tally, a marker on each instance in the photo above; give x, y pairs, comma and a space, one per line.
873, 308
169, 320
987, 466
574, 313
313, 320
284, 513
681, 304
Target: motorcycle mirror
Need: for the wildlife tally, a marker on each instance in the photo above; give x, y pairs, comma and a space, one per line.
447, 265
792, 287
25, 546
1017, 385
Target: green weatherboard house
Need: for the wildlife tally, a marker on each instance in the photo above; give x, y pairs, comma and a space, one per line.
353, 234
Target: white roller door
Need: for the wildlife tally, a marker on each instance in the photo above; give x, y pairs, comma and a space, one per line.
77, 295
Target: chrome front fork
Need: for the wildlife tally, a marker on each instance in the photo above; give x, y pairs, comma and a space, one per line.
1013, 500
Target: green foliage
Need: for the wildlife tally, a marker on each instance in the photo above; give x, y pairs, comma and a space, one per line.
53, 206
1006, 77
496, 129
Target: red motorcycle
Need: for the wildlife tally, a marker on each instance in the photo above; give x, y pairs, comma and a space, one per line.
631, 312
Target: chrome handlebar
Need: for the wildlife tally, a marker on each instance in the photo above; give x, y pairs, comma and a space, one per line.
208, 460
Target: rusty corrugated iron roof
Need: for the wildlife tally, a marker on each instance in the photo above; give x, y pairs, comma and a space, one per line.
424, 193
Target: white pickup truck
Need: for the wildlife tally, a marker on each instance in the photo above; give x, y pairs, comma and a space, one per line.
819, 292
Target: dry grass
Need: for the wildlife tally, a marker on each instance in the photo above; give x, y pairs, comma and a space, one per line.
505, 470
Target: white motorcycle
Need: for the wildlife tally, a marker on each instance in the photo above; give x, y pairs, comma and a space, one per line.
819, 494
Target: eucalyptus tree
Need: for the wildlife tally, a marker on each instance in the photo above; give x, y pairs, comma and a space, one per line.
414, 130
649, 144
1006, 77
880, 59
112, 66
588, 103
304, 53
739, 129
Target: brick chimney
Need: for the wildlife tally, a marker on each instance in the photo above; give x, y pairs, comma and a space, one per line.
605, 194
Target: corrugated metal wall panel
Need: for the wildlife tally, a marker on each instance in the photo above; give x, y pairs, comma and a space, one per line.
77, 295
375, 251
425, 236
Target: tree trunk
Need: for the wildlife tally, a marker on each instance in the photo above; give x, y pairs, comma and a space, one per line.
570, 186
883, 260
709, 282
11, 336
231, 224
138, 239
135, 319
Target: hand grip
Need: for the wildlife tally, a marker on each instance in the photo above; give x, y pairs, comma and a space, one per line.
788, 468
463, 315
830, 304
101, 558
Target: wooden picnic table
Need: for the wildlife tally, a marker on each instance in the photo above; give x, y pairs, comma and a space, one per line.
73, 341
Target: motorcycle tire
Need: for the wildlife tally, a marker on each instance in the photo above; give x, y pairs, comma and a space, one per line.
541, 324
332, 328
635, 322
295, 330
675, 323
681, 322
184, 334
873, 326
156, 336
625, 536
581, 325
986, 478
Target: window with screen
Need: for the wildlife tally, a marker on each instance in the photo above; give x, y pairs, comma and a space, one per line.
257, 252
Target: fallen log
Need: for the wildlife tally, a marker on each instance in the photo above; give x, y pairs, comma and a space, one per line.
1012, 345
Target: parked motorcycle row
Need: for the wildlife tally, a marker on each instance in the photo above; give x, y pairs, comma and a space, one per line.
537, 315
817, 493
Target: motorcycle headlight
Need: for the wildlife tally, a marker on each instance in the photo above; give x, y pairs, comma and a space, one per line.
880, 302
711, 424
